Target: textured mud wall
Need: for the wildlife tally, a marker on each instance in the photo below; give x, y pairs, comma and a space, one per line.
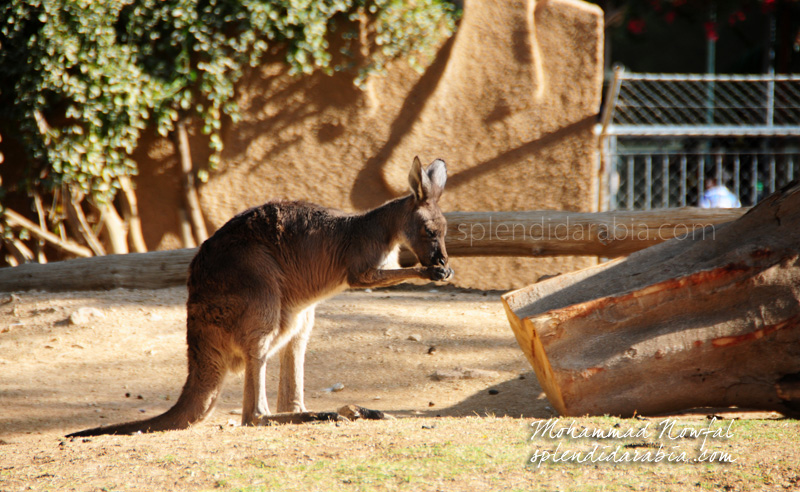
508, 102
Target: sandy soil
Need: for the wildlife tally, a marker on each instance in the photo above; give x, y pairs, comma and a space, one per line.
126, 359
69, 361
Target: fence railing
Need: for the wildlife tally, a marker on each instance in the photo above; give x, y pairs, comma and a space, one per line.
648, 180
741, 129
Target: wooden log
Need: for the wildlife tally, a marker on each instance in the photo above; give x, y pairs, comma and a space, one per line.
557, 233
712, 320
153, 270
546, 233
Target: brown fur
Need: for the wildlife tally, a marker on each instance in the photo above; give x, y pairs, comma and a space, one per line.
254, 284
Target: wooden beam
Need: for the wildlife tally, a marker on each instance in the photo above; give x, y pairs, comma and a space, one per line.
709, 321
153, 270
556, 233
534, 233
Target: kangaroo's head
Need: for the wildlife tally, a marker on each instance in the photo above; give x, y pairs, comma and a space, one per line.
426, 226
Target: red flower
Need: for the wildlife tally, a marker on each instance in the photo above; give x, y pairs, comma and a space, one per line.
711, 31
636, 26
669, 17
737, 16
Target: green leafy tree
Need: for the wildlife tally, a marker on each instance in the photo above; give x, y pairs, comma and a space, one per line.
80, 80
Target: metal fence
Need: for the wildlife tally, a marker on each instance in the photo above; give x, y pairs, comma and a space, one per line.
663, 179
664, 135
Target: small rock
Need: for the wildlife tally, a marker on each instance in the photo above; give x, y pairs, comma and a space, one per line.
431, 404
85, 315
333, 389
431, 350
368, 291
154, 317
428, 426
376, 397
415, 337
493, 391
37, 312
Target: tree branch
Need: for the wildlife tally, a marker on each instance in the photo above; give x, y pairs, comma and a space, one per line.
16, 220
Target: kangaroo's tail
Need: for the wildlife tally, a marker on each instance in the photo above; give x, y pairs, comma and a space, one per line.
197, 401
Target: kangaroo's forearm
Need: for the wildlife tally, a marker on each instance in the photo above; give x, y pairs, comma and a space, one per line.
386, 278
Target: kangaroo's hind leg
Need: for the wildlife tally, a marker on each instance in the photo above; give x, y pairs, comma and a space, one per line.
261, 327
290, 388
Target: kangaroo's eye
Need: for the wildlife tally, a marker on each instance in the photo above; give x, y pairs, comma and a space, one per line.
430, 232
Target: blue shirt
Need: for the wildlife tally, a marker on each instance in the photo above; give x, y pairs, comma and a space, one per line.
719, 197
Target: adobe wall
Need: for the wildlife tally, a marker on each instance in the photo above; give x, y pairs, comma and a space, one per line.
509, 103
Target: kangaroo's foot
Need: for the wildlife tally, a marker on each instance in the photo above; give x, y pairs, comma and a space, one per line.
354, 412
298, 418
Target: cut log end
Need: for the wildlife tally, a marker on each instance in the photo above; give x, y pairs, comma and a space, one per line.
681, 325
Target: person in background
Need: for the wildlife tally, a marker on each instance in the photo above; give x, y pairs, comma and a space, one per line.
717, 195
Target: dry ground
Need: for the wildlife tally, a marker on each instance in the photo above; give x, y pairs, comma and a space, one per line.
127, 361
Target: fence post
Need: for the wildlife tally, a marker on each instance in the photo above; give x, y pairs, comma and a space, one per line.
605, 160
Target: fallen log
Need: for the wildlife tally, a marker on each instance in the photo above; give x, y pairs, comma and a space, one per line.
154, 270
711, 320
557, 233
534, 233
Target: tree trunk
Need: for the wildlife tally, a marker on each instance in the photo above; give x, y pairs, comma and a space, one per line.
130, 211
710, 320
499, 243
40, 243
187, 177
185, 226
115, 229
77, 221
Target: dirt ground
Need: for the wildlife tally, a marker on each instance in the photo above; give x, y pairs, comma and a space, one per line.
74, 360
126, 360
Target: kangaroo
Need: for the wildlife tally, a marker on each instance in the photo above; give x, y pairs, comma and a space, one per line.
254, 284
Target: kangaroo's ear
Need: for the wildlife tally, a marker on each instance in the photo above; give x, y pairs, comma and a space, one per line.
437, 171
419, 181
